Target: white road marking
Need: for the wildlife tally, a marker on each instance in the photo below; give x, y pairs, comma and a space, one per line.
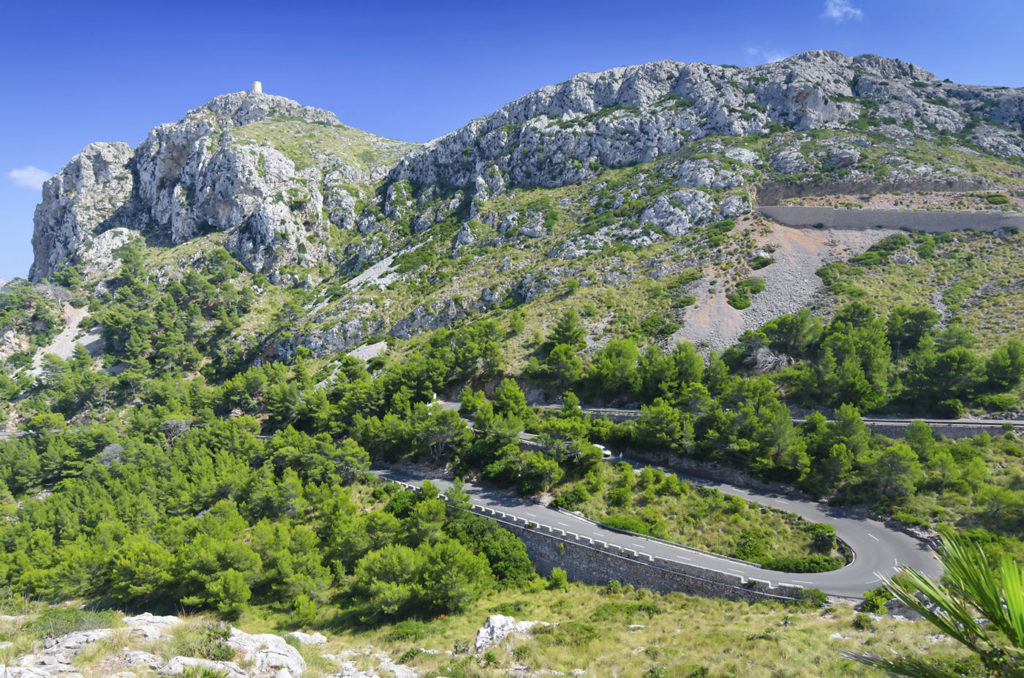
803, 581
873, 536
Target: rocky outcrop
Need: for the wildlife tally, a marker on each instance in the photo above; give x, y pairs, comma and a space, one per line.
263, 655
564, 133
497, 628
190, 178
84, 199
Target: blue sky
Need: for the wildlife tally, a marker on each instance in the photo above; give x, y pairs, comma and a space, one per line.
76, 72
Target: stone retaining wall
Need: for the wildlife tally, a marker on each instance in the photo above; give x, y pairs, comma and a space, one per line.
930, 222
597, 562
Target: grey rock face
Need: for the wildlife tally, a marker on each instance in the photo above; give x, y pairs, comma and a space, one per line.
675, 213
563, 133
189, 178
268, 654
704, 174
789, 161
83, 198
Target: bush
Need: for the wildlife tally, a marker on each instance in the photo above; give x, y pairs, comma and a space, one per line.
629, 523
998, 402
812, 598
59, 621
407, 630
997, 199
738, 300
805, 564
572, 499
721, 227
209, 643
753, 285
863, 622
910, 519
950, 409
303, 610
559, 579
824, 536
875, 600
760, 262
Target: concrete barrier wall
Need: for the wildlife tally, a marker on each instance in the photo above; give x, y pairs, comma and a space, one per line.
929, 222
897, 429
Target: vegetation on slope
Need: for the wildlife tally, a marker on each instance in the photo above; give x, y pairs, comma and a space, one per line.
302, 142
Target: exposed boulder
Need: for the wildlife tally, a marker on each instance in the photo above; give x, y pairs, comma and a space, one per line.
267, 654
497, 628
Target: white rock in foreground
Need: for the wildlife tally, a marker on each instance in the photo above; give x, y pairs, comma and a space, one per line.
268, 653
151, 626
309, 638
498, 627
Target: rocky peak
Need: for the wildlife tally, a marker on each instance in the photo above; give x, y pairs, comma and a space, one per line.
202, 174
243, 108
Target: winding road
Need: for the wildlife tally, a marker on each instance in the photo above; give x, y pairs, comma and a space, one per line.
879, 551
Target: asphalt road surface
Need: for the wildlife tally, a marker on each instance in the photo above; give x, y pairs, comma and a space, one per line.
879, 551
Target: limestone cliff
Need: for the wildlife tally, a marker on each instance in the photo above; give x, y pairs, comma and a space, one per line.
205, 173
564, 133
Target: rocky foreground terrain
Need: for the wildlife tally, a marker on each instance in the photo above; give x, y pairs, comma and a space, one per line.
144, 644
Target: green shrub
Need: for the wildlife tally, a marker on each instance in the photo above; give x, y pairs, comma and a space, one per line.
998, 402
303, 610
753, 285
863, 622
629, 523
59, 621
760, 262
407, 630
571, 499
951, 408
208, 643
721, 227
738, 300
867, 259
910, 519
997, 199
559, 580
805, 564
812, 598
824, 536
567, 634
875, 600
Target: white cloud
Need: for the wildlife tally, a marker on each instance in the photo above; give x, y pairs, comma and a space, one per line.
29, 177
841, 10
766, 55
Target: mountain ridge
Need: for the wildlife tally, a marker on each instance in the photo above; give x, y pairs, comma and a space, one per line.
613, 118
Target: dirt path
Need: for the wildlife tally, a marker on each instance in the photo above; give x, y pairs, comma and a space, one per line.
63, 345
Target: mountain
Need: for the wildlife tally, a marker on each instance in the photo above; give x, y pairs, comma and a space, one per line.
629, 163
274, 174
